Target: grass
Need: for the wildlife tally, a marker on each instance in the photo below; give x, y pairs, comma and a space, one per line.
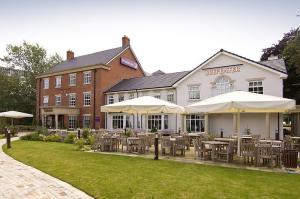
111, 176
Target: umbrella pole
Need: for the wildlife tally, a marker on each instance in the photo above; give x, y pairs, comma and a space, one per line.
239, 132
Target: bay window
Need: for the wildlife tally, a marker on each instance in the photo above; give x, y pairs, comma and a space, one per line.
195, 123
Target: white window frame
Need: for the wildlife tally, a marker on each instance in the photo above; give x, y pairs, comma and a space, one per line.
111, 99
87, 77
72, 79
255, 85
194, 92
46, 83
58, 82
170, 97
72, 121
86, 120
117, 121
155, 121
191, 123
57, 102
121, 98
72, 99
86, 99
45, 102
221, 87
131, 96
157, 95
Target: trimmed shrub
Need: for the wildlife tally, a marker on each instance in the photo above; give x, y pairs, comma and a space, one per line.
70, 138
85, 133
80, 143
52, 138
32, 137
41, 130
90, 140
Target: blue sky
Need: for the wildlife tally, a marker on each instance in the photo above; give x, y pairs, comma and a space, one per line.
167, 35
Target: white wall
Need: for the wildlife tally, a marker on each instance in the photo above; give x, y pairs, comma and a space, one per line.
272, 85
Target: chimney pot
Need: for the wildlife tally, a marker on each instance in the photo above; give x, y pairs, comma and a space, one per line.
125, 41
70, 55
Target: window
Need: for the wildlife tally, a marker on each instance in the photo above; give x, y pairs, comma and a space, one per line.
72, 79
111, 99
45, 100
222, 85
256, 87
166, 122
121, 98
86, 121
86, 98
195, 123
87, 77
154, 121
46, 83
170, 97
194, 92
157, 96
57, 100
128, 122
57, 81
117, 121
131, 95
72, 99
72, 121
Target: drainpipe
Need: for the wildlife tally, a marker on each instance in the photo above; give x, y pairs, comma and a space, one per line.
94, 101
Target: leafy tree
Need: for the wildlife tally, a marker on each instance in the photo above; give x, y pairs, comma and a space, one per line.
277, 49
19, 93
288, 48
291, 54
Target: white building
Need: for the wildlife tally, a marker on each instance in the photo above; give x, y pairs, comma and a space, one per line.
223, 72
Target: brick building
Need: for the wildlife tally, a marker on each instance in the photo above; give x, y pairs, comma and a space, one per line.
71, 93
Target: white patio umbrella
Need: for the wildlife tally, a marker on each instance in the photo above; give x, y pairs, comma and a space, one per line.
143, 105
241, 101
15, 114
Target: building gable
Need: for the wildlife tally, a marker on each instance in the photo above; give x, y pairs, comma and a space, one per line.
227, 62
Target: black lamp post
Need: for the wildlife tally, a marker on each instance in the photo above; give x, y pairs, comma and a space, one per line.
156, 146
8, 144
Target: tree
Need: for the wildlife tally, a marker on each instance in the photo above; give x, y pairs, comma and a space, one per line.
291, 54
19, 93
277, 49
288, 49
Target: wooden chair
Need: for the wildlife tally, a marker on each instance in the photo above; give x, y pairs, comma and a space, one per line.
204, 153
106, 144
142, 145
132, 145
186, 137
179, 145
166, 145
248, 152
97, 142
225, 153
265, 155
123, 142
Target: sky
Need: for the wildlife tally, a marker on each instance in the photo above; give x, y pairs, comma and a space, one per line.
167, 35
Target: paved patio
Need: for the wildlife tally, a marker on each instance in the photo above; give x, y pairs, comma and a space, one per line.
21, 181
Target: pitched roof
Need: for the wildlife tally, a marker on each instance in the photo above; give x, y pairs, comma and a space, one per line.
102, 57
277, 64
148, 82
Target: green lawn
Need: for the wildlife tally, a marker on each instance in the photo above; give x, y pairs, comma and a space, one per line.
110, 176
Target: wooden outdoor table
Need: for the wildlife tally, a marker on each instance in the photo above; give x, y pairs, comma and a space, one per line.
215, 145
225, 139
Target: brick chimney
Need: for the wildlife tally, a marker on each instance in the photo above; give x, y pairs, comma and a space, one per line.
70, 55
125, 41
